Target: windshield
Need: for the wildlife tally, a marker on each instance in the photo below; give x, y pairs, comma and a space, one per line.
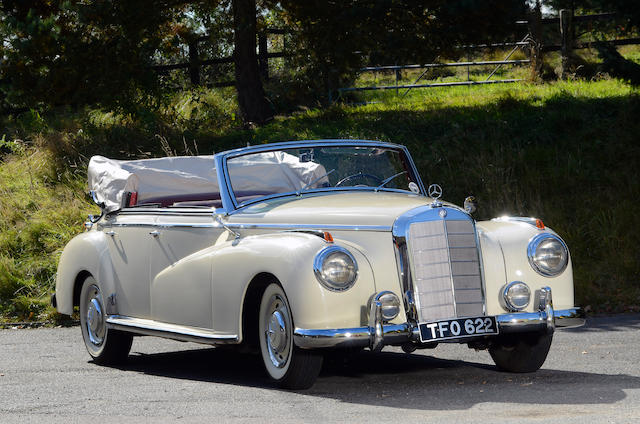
257, 175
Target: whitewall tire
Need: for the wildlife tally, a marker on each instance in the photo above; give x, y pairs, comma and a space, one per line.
289, 366
104, 345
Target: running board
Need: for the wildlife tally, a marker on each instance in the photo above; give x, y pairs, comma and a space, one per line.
148, 327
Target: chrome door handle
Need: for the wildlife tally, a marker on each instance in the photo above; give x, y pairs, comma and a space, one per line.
155, 233
110, 233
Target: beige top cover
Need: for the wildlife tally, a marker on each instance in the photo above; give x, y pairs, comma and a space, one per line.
274, 172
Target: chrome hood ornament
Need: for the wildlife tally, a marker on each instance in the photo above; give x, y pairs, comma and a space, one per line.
435, 192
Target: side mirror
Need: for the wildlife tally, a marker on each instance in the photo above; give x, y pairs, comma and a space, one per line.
92, 218
470, 205
218, 218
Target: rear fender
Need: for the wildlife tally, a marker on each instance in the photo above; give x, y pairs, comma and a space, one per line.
85, 253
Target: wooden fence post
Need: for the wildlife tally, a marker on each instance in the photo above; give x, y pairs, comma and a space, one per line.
194, 63
535, 44
566, 32
263, 58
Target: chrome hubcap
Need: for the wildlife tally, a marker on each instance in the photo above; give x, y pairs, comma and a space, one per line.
277, 332
95, 318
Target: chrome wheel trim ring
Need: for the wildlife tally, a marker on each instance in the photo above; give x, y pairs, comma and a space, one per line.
94, 317
277, 335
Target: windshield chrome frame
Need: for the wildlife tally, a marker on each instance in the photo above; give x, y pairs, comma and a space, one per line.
231, 205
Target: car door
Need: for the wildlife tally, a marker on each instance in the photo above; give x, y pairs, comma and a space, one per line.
129, 240
181, 268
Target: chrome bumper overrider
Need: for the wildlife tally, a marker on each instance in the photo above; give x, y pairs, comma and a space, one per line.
378, 334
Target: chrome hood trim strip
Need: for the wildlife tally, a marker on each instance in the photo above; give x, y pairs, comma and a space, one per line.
334, 227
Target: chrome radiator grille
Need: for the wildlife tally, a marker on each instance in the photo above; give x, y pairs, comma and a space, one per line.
446, 269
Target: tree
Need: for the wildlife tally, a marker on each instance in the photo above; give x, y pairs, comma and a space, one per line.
78, 52
252, 101
625, 9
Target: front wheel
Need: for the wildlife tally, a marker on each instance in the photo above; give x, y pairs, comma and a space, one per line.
106, 347
521, 353
286, 364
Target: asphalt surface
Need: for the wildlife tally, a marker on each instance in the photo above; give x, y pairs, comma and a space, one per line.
592, 375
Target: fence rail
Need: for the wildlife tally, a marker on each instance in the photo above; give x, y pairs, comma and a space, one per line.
532, 43
444, 65
579, 18
592, 44
195, 64
428, 66
435, 84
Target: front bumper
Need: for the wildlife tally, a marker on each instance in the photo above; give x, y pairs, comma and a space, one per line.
377, 334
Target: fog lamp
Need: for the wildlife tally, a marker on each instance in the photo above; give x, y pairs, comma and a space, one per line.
515, 296
390, 305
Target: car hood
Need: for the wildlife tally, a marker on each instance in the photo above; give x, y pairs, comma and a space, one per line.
354, 208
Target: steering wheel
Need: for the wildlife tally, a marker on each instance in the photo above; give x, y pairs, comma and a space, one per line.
360, 174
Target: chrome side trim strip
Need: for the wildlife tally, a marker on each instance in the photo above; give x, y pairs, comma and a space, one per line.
162, 225
149, 327
168, 211
257, 226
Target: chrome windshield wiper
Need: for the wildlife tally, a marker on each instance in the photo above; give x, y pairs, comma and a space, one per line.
313, 182
384, 183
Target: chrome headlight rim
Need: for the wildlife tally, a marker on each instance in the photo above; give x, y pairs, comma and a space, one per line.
531, 253
318, 263
506, 300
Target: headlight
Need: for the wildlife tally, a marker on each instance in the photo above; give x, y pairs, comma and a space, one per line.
548, 254
515, 296
335, 268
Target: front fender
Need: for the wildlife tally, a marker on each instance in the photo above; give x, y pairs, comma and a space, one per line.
504, 249
87, 252
289, 257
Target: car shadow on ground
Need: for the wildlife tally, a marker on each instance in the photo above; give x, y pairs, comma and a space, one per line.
609, 323
396, 379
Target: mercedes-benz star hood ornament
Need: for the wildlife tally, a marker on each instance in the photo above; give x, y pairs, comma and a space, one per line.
435, 192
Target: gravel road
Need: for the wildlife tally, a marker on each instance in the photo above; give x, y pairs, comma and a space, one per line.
591, 375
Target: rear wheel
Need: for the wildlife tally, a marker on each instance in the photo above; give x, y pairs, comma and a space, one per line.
286, 364
521, 353
105, 346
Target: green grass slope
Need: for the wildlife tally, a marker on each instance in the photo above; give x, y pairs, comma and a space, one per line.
566, 152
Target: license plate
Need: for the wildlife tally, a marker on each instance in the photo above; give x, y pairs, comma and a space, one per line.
457, 328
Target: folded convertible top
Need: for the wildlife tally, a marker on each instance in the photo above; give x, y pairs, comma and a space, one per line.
196, 176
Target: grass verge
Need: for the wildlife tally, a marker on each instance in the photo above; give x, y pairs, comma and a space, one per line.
566, 152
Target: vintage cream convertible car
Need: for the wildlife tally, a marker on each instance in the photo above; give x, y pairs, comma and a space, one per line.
299, 247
